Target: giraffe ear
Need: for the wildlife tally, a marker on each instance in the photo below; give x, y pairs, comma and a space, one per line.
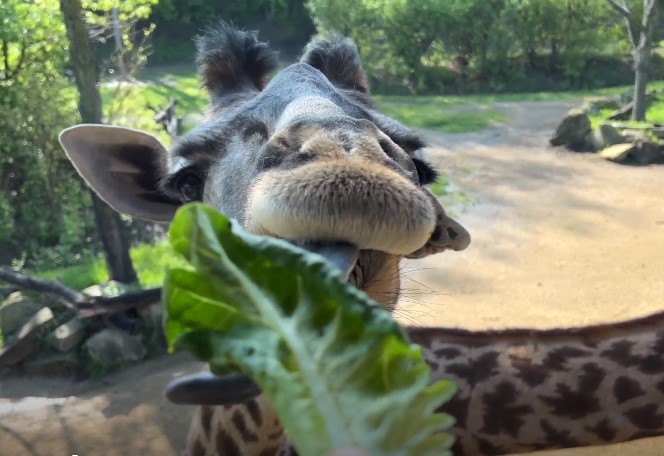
338, 59
123, 166
447, 235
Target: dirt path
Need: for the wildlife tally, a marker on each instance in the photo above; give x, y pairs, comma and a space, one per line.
558, 239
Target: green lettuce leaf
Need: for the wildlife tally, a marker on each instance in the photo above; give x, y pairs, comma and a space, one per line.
336, 367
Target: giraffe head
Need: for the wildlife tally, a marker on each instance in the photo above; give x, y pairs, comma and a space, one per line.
304, 156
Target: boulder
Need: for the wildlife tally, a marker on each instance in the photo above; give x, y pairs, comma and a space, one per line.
111, 348
15, 311
572, 131
5, 291
609, 135
110, 289
26, 342
617, 153
595, 105
153, 318
642, 152
626, 97
646, 152
68, 335
657, 132
633, 135
52, 364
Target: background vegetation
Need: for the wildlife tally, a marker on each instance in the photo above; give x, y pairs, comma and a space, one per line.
423, 57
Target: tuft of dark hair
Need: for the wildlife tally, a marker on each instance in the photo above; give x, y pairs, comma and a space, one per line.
230, 59
338, 59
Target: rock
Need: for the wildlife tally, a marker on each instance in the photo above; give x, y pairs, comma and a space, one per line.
52, 364
6, 291
642, 152
617, 153
633, 135
66, 336
111, 348
645, 152
609, 135
657, 132
604, 136
153, 316
26, 342
595, 105
110, 289
15, 311
572, 131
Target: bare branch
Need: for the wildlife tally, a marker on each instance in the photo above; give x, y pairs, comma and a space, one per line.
69, 295
85, 306
649, 8
623, 9
111, 305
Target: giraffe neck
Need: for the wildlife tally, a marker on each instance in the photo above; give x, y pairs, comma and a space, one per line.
520, 390
526, 390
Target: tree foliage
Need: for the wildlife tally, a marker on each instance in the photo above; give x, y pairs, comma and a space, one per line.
46, 218
43, 211
286, 24
431, 45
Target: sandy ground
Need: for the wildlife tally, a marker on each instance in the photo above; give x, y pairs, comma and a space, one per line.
559, 239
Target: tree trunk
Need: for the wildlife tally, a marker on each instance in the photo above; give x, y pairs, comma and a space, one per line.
640, 37
114, 238
641, 66
109, 224
554, 57
119, 45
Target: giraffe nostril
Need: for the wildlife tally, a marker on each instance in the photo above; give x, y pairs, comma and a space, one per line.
437, 233
451, 233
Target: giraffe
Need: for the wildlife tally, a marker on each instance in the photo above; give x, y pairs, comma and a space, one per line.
303, 155
307, 157
519, 390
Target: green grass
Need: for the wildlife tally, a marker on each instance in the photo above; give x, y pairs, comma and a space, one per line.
432, 112
432, 116
89, 272
654, 113
454, 100
183, 85
179, 82
150, 262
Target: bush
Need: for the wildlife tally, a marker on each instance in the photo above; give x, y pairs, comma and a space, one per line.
466, 46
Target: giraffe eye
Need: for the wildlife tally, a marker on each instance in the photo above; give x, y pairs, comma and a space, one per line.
190, 186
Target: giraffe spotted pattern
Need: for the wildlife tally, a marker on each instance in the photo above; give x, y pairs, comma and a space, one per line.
526, 393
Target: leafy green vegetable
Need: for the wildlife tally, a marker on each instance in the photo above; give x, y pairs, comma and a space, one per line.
338, 370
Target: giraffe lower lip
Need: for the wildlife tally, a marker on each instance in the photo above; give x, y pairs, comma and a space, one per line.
342, 255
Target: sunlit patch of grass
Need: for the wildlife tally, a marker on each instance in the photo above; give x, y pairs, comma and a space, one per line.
430, 112
150, 262
91, 271
434, 113
654, 114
